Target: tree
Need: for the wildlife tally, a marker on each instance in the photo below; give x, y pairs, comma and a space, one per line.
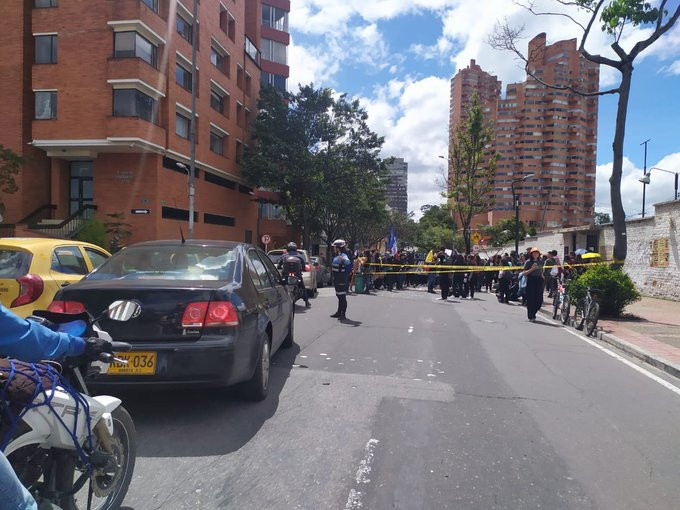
118, 230
10, 164
471, 168
436, 227
602, 218
503, 232
614, 16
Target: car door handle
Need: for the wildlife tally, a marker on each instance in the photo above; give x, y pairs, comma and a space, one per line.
65, 284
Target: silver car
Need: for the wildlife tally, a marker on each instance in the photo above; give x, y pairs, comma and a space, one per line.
308, 270
323, 272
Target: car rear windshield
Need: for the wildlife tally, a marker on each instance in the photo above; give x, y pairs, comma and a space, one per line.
14, 263
188, 263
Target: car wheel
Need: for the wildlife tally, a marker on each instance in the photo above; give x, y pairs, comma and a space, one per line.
290, 337
257, 387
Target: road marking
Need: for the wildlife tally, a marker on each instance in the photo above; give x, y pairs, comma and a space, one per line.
616, 356
354, 498
410, 329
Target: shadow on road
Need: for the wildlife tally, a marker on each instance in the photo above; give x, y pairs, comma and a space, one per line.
350, 322
202, 422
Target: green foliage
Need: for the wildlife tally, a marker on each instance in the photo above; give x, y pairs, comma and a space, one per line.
602, 218
618, 290
436, 228
93, 232
532, 231
117, 230
10, 164
503, 232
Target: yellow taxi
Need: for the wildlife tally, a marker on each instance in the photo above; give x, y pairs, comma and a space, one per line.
32, 270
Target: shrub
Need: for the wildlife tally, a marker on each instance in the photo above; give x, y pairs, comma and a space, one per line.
618, 290
93, 232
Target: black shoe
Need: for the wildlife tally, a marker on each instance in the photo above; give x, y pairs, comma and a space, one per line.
307, 304
336, 315
341, 317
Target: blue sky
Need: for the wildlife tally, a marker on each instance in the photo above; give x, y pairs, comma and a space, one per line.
398, 58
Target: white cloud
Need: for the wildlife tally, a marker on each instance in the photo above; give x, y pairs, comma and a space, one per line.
660, 188
671, 69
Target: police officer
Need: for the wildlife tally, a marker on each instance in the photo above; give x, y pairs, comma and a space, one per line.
342, 269
291, 250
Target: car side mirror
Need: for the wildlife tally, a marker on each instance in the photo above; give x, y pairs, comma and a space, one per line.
316, 264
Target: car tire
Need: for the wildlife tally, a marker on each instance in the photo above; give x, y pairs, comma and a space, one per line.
290, 337
257, 387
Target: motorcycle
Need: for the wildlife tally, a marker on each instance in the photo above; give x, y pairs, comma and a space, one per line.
66, 437
289, 271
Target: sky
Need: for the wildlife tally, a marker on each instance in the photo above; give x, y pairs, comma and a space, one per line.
398, 57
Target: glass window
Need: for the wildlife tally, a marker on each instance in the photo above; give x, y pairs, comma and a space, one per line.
184, 28
46, 3
182, 126
14, 263
274, 51
151, 4
257, 271
274, 274
183, 77
218, 60
216, 101
274, 17
68, 260
45, 49
131, 44
96, 257
217, 142
46, 105
134, 103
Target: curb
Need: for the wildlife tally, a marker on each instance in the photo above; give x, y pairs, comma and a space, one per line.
634, 350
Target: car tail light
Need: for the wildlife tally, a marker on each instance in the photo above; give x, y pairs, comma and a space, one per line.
66, 307
31, 288
213, 314
308, 268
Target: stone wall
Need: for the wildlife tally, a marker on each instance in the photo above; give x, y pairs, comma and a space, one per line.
653, 260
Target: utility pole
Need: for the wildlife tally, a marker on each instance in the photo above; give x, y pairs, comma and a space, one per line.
192, 163
644, 172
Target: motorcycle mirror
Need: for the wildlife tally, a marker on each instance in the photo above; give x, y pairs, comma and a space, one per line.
123, 310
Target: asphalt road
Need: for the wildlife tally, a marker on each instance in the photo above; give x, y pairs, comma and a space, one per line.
418, 403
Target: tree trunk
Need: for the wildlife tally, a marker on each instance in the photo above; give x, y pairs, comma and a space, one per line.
618, 214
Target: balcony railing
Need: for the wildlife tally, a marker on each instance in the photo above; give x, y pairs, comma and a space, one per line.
252, 51
70, 227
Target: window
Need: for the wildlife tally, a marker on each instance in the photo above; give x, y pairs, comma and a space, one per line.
274, 274
239, 114
173, 213
275, 80
274, 17
184, 28
257, 271
220, 181
46, 105
239, 77
183, 77
68, 260
216, 101
151, 4
274, 51
249, 84
182, 126
239, 151
217, 142
218, 219
45, 49
219, 60
96, 257
134, 103
46, 3
131, 44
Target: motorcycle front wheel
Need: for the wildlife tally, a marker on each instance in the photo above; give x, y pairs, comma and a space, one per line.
108, 485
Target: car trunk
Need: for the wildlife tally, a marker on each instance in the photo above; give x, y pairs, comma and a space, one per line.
163, 307
14, 263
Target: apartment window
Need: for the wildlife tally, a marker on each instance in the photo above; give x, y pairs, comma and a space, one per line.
45, 49
249, 84
274, 51
151, 4
182, 125
131, 44
230, 26
274, 17
239, 114
218, 219
184, 28
134, 103
239, 77
239, 151
220, 60
217, 142
216, 101
46, 105
46, 3
275, 80
183, 77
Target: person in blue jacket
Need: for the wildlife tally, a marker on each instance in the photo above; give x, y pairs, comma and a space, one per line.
28, 341
342, 270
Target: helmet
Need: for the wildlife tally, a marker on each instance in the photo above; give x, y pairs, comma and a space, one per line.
339, 243
291, 247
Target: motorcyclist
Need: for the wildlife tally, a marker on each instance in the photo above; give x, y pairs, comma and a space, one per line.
29, 341
342, 269
291, 251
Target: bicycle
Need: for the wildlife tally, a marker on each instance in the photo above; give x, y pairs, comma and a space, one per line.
558, 299
588, 311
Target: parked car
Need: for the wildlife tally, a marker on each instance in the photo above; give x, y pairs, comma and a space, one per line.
323, 272
32, 270
212, 313
308, 271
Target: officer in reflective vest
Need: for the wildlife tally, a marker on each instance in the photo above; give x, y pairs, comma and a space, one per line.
342, 269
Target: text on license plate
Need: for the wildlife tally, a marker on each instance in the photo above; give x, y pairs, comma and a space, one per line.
138, 363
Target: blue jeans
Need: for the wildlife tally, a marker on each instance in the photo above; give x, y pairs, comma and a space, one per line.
12, 493
431, 281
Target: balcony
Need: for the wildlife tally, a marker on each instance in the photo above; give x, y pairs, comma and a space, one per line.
135, 68
134, 127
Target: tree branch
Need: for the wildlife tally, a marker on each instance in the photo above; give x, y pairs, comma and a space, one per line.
530, 8
661, 29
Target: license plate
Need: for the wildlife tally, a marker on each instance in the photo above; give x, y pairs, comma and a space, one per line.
138, 363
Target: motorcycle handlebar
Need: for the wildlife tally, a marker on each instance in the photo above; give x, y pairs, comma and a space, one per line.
120, 347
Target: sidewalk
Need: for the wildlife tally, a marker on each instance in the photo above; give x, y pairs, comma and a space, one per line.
648, 330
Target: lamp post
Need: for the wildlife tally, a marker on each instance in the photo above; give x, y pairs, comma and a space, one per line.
646, 179
644, 174
515, 200
453, 214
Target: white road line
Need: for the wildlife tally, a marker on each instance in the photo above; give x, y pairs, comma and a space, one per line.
354, 498
410, 329
614, 355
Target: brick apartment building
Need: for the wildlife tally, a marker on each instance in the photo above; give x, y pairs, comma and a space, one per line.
543, 131
396, 191
100, 106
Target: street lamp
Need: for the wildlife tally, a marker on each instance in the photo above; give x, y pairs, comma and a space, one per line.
644, 174
646, 179
190, 173
515, 200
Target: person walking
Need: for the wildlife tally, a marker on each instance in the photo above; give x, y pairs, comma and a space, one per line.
444, 281
533, 270
504, 280
342, 268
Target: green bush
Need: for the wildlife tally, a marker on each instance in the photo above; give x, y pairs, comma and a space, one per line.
618, 290
94, 232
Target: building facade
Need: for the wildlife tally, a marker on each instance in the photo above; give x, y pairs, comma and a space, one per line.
397, 185
549, 136
101, 109
467, 82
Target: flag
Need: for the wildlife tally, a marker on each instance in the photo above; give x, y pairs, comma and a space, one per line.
392, 241
430, 257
